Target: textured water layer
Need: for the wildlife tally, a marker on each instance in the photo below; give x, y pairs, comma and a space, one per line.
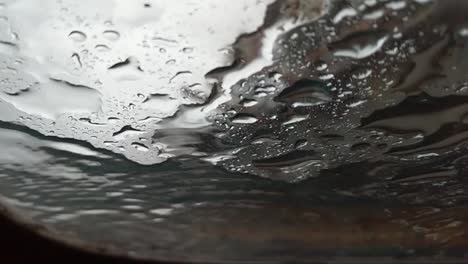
226, 129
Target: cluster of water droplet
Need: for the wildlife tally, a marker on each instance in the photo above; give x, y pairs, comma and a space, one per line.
320, 105
108, 74
312, 86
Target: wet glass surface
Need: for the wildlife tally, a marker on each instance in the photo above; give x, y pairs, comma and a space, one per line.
238, 130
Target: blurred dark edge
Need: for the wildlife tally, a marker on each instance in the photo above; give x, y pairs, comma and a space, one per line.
20, 244
28, 243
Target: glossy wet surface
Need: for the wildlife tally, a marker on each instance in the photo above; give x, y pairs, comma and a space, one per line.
234, 130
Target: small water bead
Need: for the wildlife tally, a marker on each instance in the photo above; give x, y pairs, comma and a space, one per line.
187, 50
171, 62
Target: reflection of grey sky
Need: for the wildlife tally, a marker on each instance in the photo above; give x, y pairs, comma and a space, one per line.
64, 50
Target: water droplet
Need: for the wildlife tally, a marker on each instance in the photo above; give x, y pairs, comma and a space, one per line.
290, 162
396, 5
463, 89
125, 132
113, 120
463, 32
374, 15
427, 155
187, 50
326, 77
244, 119
102, 48
171, 62
110, 143
140, 147
55, 97
370, 3
179, 75
359, 45
265, 90
127, 70
111, 35
344, 13
162, 211
77, 59
295, 119
363, 146
276, 76
362, 73
248, 102
305, 93
77, 36
300, 144
321, 66
358, 103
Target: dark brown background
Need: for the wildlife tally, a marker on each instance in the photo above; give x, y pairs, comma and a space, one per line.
20, 245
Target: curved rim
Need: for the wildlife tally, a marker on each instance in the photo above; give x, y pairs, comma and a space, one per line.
68, 244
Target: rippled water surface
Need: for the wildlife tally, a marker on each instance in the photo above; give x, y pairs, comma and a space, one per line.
238, 130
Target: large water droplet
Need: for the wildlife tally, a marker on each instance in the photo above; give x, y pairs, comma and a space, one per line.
305, 93
56, 97
244, 119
